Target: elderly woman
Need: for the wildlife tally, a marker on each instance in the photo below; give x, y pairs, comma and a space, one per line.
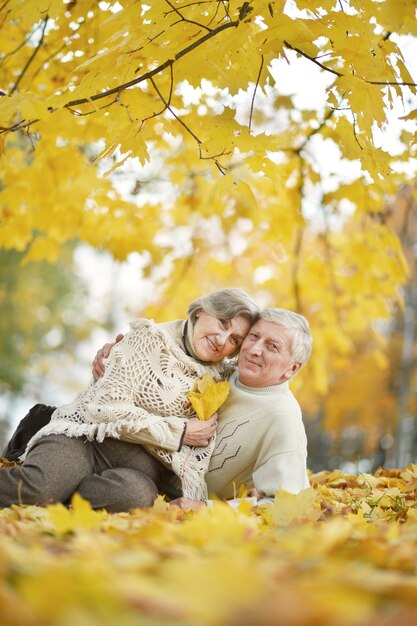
141, 399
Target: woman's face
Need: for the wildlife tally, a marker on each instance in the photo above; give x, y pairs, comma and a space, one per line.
215, 338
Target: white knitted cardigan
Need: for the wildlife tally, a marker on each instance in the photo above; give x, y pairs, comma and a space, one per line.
142, 397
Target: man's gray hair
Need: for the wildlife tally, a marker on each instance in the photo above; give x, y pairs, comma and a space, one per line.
225, 303
302, 341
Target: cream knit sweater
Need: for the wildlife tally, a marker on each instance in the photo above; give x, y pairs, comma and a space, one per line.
142, 398
261, 442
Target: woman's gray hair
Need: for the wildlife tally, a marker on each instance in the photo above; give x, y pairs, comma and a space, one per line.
225, 303
302, 341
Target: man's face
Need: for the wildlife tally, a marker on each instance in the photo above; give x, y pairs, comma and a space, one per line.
265, 355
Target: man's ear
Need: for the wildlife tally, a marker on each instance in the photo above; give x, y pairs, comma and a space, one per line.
294, 368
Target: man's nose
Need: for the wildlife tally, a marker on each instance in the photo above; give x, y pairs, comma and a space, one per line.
256, 347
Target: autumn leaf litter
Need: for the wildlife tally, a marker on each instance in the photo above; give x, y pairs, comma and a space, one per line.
342, 552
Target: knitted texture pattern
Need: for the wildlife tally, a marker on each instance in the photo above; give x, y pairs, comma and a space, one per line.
143, 394
260, 442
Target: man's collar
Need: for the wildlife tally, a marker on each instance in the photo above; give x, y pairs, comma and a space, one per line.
260, 390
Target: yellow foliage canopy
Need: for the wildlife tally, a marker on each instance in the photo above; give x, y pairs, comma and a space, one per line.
216, 168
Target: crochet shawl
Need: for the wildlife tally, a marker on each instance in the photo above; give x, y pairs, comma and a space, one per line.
142, 397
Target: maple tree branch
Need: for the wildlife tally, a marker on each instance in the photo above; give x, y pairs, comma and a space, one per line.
340, 74
313, 59
254, 92
390, 82
156, 70
24, 42
31, 58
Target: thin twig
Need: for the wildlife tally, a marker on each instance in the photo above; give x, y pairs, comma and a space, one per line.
104, 106
18, 126
310, 58
51, 57
221, 169
24, 42
254, 92
150, 117
53, 54
324, 121
214, 158
34, 53
339, 74
184, 19
354, 131
217, 10
2, 7
389, 82
174, 114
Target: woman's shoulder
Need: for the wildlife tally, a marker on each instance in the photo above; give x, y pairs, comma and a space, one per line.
141, 322
148, 332
170, 336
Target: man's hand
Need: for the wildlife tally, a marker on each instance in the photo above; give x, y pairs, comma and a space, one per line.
186, 504
98, 365
198, 432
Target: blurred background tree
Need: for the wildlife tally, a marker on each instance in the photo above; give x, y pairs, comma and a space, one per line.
41, 314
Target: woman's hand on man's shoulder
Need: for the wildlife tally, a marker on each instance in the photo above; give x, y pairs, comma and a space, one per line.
98, 367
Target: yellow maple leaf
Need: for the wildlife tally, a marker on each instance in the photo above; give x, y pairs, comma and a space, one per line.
289, 508
209, 396
79, 517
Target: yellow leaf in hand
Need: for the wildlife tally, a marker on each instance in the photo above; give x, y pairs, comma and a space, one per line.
209, 396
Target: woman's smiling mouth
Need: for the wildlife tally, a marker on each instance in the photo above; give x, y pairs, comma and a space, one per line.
211, 345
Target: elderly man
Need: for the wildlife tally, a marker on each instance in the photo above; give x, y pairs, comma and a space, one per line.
261, 440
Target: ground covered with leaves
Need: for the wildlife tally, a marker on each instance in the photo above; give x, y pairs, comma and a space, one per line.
343, 552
